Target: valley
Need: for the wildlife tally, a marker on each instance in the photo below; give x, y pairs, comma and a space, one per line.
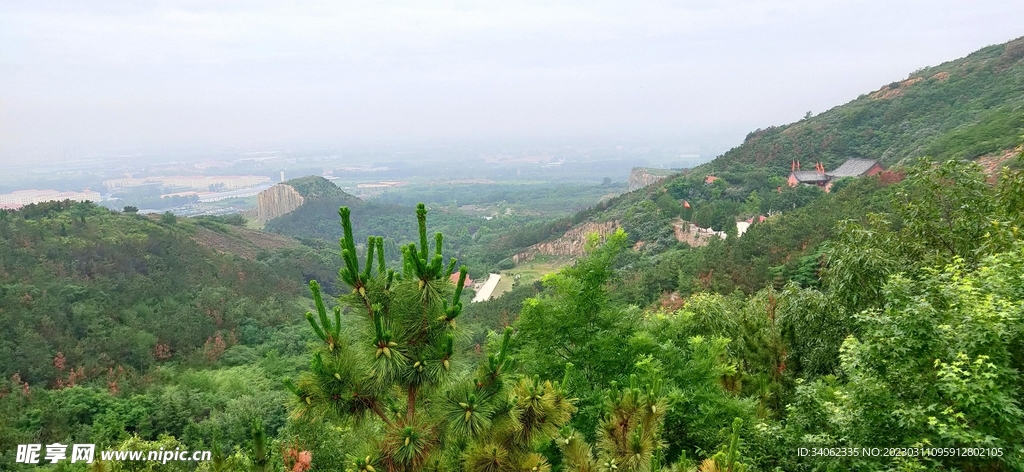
554, 313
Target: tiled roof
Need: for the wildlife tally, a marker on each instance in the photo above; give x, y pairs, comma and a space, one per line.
810, 176
454, 278
853, 168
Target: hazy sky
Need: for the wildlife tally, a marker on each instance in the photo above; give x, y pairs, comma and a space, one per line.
103, 76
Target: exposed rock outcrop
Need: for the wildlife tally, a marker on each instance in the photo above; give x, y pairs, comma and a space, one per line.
693, 235
572, 243
992, 163
641, 177
276, 201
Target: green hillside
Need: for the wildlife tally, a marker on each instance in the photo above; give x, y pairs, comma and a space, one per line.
316, 187
961, 109
109, 290
118, 328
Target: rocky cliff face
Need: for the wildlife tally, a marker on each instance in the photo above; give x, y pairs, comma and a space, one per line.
571, 243
276, 201
641, 177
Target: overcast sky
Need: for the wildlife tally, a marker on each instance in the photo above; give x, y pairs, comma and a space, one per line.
89, 78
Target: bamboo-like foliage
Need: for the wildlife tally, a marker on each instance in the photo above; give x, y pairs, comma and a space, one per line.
388, 356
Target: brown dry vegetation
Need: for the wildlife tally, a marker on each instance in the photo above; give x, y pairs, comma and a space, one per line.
888, 92
991, 163
242, 242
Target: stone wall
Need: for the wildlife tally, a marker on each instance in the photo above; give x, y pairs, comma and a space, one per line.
694, 235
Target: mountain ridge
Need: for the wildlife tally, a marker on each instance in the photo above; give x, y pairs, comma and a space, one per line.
964, 108
894, 124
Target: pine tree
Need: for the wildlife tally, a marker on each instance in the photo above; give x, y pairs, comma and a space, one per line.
393, 361
726, 460
259, 449
628, 438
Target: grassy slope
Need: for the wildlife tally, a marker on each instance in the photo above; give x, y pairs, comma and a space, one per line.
964, 108
243, 242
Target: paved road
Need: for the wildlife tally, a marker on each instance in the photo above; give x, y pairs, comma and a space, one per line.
485, 291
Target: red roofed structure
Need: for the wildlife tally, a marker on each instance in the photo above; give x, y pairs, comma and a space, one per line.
454, 278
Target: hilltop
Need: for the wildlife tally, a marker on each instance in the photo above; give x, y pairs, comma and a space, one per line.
286, 197
963, 109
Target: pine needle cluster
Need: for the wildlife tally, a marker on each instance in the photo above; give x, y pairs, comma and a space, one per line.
386, 357
628, 437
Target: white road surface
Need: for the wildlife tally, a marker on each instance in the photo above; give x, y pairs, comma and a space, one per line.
485, 291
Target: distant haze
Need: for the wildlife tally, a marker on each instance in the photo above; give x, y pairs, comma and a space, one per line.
115, 75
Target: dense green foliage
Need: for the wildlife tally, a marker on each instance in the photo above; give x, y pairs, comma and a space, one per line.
397, 362
784, 247
912, 340
111, 322
106, 289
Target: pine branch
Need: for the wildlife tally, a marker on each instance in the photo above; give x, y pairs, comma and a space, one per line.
370, 246
410, 408
380, 255
421, 220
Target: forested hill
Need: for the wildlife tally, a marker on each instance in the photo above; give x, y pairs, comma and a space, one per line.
105, 290
317, 219
961, 109
316, 187
317, 216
